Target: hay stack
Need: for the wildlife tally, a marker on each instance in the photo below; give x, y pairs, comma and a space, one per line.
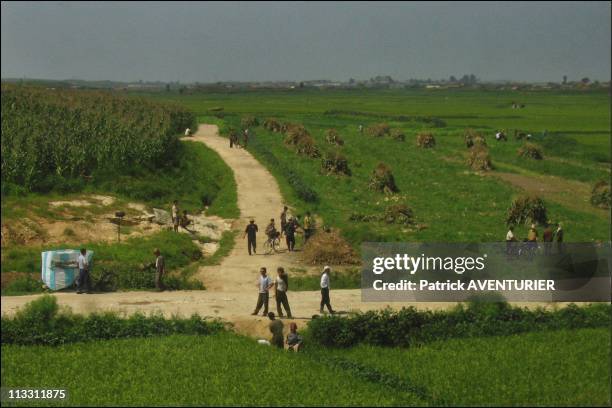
325, 248
294, 133
398, 135
531, 151
307, 147
249, 122
479, 158
527, 210
335, 163
426, 140
272, 125
398, 214
333, 137
378, 130
600, 196
382, 180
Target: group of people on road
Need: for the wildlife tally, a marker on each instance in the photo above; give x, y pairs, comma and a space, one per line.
280, 285
289, 226
234, 139
548, 237
180, 220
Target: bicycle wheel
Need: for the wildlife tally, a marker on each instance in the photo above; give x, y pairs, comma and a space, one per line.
268, 247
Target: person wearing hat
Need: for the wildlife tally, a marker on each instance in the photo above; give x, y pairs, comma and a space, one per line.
325, 290
251, 233
159, 269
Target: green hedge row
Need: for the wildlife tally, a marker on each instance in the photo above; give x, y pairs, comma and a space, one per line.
409, 326
42, 322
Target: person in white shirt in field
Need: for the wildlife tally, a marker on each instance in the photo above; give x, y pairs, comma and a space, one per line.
325, 290
187, 132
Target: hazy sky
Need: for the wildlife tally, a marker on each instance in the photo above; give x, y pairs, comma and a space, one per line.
276, 41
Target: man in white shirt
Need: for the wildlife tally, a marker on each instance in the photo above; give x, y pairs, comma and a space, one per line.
187, 132
325, 290
264, 285
510, 238
83, 281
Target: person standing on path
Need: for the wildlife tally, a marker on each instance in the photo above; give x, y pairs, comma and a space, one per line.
251, 233
290, 229
160, 268
83, 272
175, 216
283, 219
281, 286
325, 290
264, 285
559, 238
276, 328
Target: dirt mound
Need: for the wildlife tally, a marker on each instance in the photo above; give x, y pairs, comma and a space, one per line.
600, 196
479, 158
527, 210
531, 151
426, 140
382, 180
328, 247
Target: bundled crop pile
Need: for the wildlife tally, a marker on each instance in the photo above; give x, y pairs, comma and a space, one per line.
398, 214
249, 121
479, 158
473, 139
426, 140
272, 125
328, 247
527, 210
66, 134
335, 163
382, 180
378, 130
297, 136
333, 137
398, 135
531, 151
600, 196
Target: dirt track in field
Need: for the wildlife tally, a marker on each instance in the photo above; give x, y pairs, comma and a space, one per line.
231, 287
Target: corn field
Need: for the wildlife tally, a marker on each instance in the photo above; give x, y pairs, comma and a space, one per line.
68, 133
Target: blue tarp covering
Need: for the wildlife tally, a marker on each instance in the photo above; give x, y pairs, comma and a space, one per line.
60, 268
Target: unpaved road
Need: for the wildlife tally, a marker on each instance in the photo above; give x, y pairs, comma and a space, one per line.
231, 287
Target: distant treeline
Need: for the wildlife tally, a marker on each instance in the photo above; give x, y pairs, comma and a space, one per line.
432, 121
49, 135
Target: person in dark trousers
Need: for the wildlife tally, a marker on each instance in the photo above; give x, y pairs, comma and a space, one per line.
264, 285
325, 290
276, 328
83, 281
290, 229
160, 268
281, 285
308, 226
283, 219
251, 233
547, 237
559, 238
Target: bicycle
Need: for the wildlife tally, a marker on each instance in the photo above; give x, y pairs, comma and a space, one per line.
271, 244
106, 282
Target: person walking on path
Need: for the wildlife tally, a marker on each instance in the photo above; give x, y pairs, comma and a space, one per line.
264, 285
245, 138
325, 290
281, 286
276, 328
283, 219
160, 269
175, 216
290, 229
251, 233
83, 281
